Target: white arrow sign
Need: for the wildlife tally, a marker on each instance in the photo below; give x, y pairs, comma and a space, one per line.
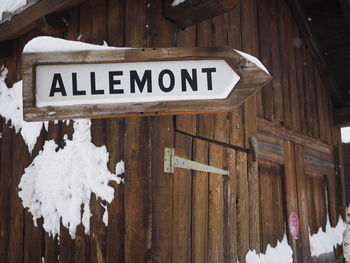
124, 82
59, 85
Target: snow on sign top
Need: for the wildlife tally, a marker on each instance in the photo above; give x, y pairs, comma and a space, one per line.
79, 80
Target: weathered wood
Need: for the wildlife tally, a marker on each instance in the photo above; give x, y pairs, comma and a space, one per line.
222, 120
266, 205
234, 41
189, 13
283, 133
182, 185
216, 207
302, 202
187, 38
25, 21
200, 205
115, 145
205, 39
116, 224
249, 23
231, 206
137, 190
98, 230
292, 77
291, 197
243, 206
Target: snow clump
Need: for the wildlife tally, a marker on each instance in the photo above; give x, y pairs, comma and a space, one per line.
60, 181
323, 242
281, 253
11, 108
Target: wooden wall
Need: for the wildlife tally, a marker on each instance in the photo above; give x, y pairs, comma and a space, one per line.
192, 216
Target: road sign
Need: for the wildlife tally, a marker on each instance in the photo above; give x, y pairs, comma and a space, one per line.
103, 83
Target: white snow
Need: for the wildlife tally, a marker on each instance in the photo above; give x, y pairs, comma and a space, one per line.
253, 60
60, 181
52, 44
11, 109
345, 134
177, 2
11, 6
281, 253
346, 238
323, 242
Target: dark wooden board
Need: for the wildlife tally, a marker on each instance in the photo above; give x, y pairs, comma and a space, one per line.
189, 13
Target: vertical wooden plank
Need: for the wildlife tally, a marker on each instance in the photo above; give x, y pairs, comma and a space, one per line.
186, 38
7, 176
234, 41
161, 33
73, 29
320, 105
216, 206
332, 197
98, 134
221, 120
291, 194
137, 190
242, 206
231, 206
300, 81
115, 230
276, 61
115, 22
200, 205
162, 189
266, 205
6, 171
284, 12
250, 45
85, 21
137, 195
265, 37
278, 203
182, 184
292, 82
302, 202
205, 39
115, 144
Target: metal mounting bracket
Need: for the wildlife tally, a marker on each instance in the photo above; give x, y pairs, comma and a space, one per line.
171, 162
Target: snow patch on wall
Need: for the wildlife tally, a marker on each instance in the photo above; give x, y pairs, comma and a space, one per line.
11, 108
60, 181
281, 253
11, 6
323, 242
177, 2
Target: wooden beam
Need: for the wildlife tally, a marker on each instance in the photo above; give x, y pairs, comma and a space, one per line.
278, 131
189, 13
31, 18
